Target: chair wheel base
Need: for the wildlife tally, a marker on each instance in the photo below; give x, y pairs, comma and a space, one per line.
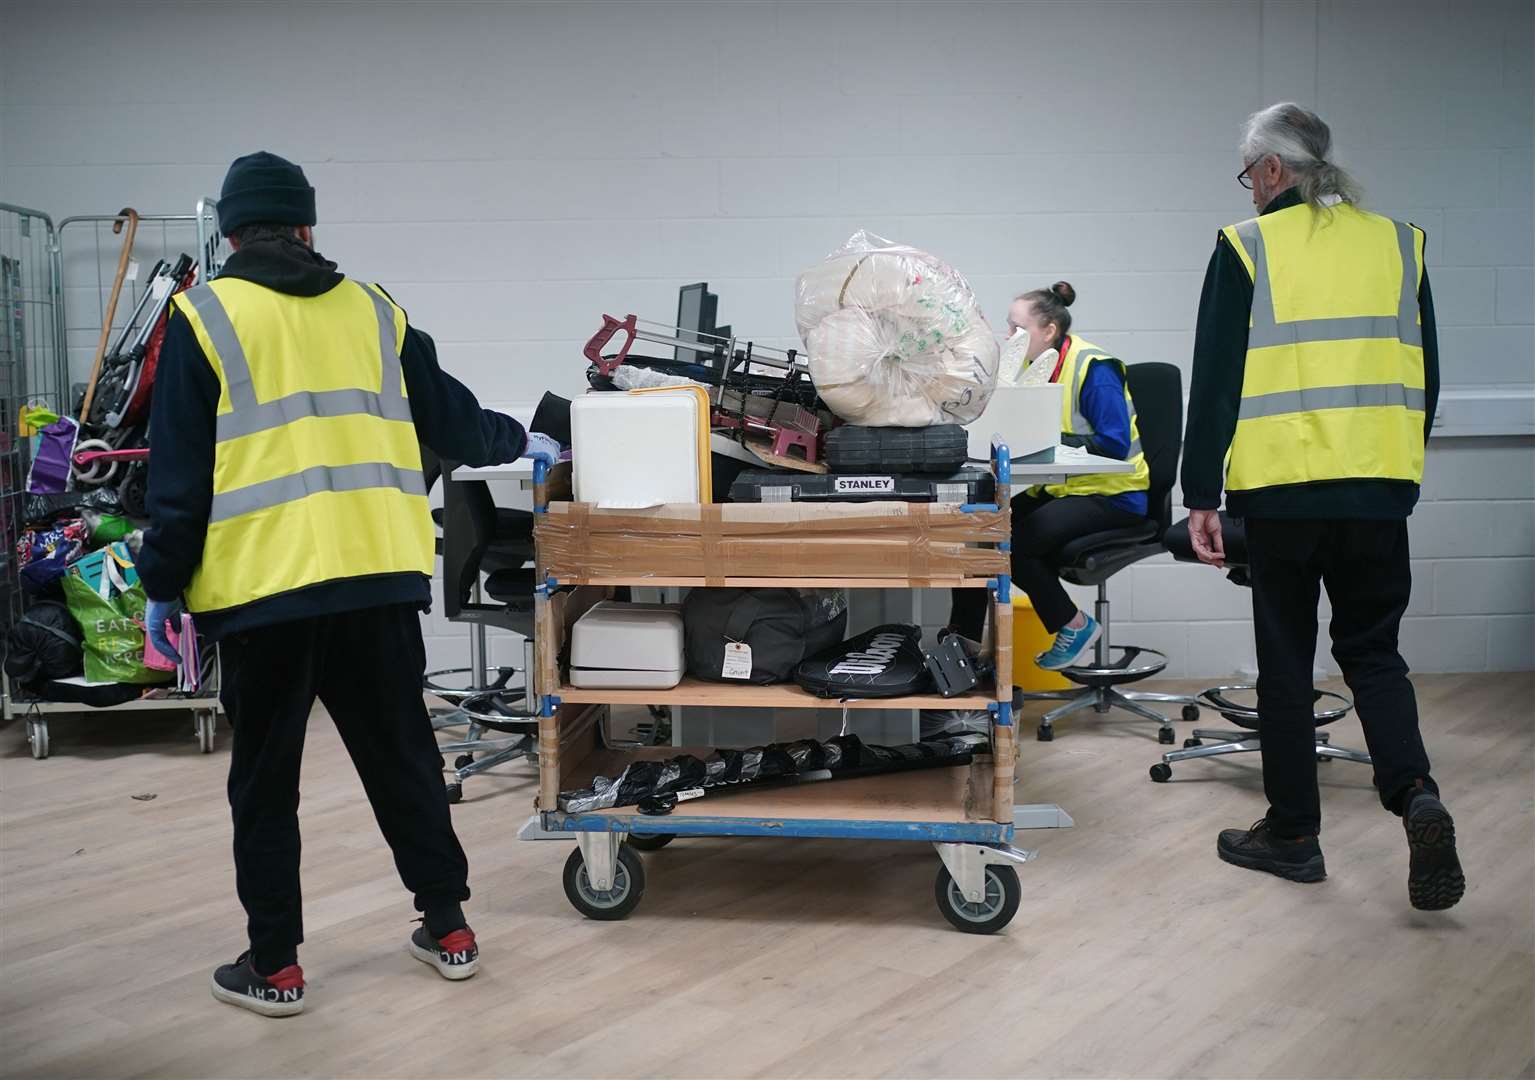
455, 793
1165, 736
1161, 772
1191, 714
1189, 744
1046, 733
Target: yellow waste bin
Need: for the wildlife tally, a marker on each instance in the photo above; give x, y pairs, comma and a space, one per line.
1030, 638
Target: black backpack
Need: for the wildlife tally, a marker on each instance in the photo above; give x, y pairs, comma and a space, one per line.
781, 626
44, 644
884, 662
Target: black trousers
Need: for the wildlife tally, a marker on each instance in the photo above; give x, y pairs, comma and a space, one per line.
366, 667
1365, 567
1042, 525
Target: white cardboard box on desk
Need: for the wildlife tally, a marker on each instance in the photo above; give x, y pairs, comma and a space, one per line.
617, 646
1027, 417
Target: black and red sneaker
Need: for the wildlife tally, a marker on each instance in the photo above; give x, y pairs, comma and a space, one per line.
455, 956
280, 994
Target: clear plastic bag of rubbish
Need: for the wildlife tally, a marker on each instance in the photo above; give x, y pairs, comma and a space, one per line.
895, 336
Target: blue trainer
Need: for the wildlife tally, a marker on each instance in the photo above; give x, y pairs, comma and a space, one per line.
1070, 646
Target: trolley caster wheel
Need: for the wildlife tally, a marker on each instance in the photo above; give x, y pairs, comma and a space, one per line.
650, 841
455, 793
1189, 744
1165, 736
206, 726
463, 761
1003, 894
1190, 713
1161, 772
37, 738
1046, 733
615, 903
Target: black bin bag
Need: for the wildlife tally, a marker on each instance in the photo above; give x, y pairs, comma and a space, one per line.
884, 662
44, 644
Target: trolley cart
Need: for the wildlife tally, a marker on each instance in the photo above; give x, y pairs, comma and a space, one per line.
76, 259
966, 812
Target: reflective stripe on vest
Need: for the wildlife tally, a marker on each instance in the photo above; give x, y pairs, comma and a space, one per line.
249, 416
322, 481
1079, 358
1329, 396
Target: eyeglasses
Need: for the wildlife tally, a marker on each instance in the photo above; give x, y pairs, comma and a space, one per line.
1244, 178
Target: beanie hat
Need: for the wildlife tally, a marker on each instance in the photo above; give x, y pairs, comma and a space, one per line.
262, 188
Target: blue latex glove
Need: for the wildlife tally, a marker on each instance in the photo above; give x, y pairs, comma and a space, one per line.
542, 448
156, 614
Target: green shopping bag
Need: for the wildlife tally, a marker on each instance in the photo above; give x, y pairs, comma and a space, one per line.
108, 602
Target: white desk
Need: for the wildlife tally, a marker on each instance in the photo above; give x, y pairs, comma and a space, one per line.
1069, 461
522, 467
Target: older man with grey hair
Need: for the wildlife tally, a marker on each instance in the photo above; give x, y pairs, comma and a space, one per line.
1315, 379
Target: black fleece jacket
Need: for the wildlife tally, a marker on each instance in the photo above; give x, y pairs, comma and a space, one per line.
447, 417
1215, 394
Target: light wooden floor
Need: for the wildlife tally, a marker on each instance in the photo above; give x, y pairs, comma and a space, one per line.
1136, 952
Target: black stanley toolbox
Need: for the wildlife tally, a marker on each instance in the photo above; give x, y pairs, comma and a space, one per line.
964, 486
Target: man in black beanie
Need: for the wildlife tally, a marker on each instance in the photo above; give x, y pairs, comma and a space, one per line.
287, 505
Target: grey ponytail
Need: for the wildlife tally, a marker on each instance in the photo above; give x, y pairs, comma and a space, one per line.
1302, 142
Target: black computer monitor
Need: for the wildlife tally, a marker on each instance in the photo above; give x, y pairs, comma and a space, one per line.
697, 309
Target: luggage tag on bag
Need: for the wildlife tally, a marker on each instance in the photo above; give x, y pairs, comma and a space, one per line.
738, 660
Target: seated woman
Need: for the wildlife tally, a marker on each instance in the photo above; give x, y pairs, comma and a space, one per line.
1097, 413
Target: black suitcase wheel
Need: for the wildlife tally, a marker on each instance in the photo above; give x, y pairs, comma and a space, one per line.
1003, 894
615, 903
647, 841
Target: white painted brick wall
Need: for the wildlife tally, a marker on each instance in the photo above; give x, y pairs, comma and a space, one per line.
511, 171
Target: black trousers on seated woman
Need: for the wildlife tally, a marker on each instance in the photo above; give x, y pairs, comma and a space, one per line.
1042, 525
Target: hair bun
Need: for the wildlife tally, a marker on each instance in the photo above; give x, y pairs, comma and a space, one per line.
1064, 292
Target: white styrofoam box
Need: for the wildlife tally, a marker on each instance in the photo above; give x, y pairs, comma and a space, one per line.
1027, 417
637, 646
636, 450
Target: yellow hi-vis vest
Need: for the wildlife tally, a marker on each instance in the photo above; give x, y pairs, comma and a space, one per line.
1079, 357
316, 467
1333, 387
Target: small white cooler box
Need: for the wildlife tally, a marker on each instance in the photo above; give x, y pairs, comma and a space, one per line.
1028, 417
617, 646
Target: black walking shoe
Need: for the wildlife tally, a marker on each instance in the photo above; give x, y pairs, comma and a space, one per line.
455, 956
1434, 878
281, 994
1258, 849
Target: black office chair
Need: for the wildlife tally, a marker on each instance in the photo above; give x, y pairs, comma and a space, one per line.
1157, 390
477, 540
1232, 701
510, 548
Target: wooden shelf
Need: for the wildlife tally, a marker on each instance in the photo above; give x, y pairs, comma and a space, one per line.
955, 794
783, 582
782, 696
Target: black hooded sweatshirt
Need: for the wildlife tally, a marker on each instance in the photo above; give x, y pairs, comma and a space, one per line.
447, 417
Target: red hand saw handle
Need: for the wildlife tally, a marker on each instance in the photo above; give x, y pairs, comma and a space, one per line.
594, 347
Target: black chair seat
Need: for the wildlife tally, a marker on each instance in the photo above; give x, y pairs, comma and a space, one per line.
1075, 551
513, 585
1092, 559
1233, 537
